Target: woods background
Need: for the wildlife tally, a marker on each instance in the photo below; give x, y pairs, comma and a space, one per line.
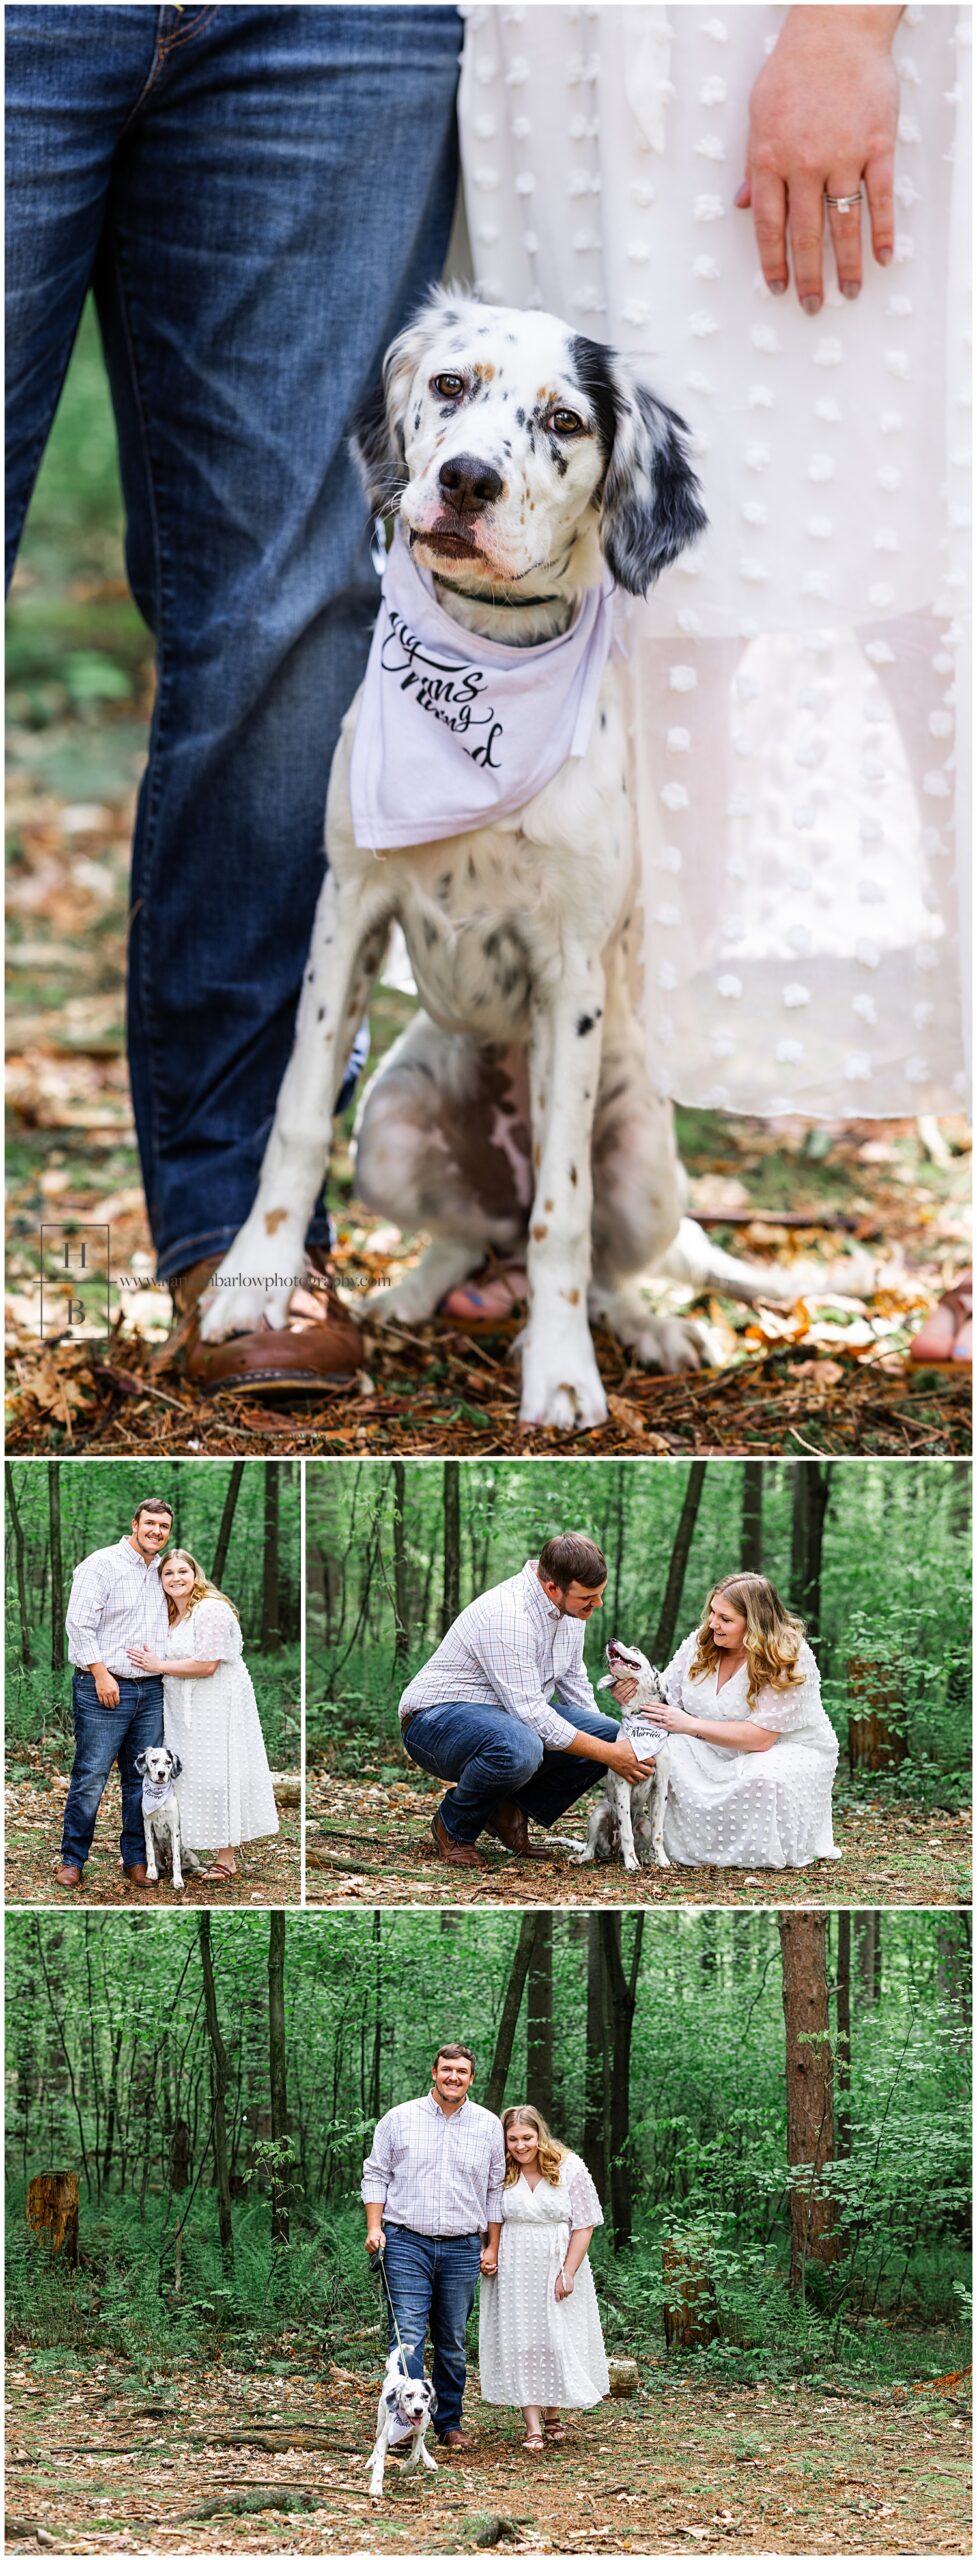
875, 1557
240, 1520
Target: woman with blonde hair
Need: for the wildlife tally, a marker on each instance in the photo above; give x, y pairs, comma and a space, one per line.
210, 1719
752, 1751
540, 2346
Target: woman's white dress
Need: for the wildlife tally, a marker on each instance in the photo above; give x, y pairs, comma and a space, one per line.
224, 1789
534, 2351
793, 678
729, 1808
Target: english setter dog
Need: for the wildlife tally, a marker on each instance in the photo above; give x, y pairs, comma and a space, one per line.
515, 1114
413, 2403
631, 1819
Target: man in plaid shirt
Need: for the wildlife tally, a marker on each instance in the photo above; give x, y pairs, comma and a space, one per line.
432, 2188
481, 1711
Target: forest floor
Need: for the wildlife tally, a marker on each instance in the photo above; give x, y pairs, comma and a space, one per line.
212, 2459
828, 1377
268, 1871
369, 1840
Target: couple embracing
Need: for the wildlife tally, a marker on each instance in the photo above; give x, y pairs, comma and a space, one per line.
157, 1659
451, 2192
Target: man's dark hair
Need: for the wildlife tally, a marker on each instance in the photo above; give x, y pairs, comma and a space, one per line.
454, 2053
153, 1502
572, 1558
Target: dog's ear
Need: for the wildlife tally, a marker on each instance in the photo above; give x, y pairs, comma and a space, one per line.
377, 427
176, 1764
433, 2403
650, 501
141, 1765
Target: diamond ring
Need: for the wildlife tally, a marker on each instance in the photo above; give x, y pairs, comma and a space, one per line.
844, 204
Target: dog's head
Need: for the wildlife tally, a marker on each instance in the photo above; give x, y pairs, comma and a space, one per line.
159, 1766
518, 452
627, 1662
413, 2400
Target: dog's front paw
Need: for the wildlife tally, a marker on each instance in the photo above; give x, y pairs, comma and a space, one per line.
661, 1860
407, 1301
561, 1393
252, 1286
178, 1884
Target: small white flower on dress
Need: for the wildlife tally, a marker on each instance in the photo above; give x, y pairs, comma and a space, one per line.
926, 956
708, 209
940, 724
679, 740
485, 72
881, 597
708, 270
713, 91
666, 977
520, 128
871, 893
756, 457
682, 679
698, 382
888, 477
908, 129
867, 955
753, 511
820, 528
828, 411
905, 193
747, 686
728, 986
760, 396
674, 795
789, 1053
942, 664
583, 128
828, 351
668, 916
518, 72
723, 1044
643, 190
485, 233
689, 622
917, 1071
588, 298
487, 179
822, 466
711, 147
765, 338
668, 859
639, 251
795, 995
906, 69
582, 185
485, 127
739, 805
715, 28
858, 1067
702, 324
904, 249
530, 242
586, 239
754, 572
866, 1008
881, 656
923, 1015
525, 183
896, 360
870, 828
899, 306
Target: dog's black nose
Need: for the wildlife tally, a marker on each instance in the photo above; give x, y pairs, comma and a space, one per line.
468, 484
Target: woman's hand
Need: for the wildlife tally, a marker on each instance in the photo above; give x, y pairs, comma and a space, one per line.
145, 1660
489, 2263
674, 1719
563, 2285
823, 118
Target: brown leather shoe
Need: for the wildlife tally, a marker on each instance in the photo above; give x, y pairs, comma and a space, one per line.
455, 2442
319, 1347
510, 1825
456, 1853
70, 1877
137, 1875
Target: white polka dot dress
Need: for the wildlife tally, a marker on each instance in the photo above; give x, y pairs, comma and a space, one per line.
224, 1789
729, 1808
534, 2351
794, 678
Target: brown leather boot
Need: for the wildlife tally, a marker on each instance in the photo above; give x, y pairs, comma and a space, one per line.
510, 1825
136, 1875
72, 1878
319, 1347
456, 1853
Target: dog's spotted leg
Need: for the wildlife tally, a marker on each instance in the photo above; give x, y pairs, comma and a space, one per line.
257, 1276
560, 1379
444, 1264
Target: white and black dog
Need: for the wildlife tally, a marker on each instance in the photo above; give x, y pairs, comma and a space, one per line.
515, 1114
159, 1770
414, 2404
631, 1819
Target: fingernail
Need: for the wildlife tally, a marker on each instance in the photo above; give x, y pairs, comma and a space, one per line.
811, 303
885, 257
780, 286
851, 292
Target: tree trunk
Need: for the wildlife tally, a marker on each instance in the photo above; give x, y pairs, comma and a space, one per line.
810, 2092
19, 1567
219, 2078
617, 1565
621, 1991
180, 2157
843, 2016
751, 1531
511, 2006
539, 2018
271, 1634
596, 2085
277, 2081
451, 1501
690, 2307
668, 1621
868, 1943
402, 1632
812, 1488
227, 1518
57, 1576
52, 2211
874, 1743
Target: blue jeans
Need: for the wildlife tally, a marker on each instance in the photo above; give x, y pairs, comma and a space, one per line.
258, 196
493, 1755
433, 2281
103, 1735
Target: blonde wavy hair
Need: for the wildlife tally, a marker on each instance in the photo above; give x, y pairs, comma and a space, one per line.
551, 2152
202, 1589
772, 1641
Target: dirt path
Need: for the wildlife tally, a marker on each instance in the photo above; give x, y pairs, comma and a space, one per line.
268, 1871
98, 2459
370, 1841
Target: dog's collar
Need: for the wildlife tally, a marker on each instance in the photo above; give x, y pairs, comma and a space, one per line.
496, 604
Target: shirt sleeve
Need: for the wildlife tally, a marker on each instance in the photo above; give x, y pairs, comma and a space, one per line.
509, 1663
585, 2205
798, 1710
378, 2167
496, 2175
215, 1632
83, 1624
575, 1687
673, 1680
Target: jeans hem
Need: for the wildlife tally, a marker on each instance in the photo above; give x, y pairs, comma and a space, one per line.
190, 1249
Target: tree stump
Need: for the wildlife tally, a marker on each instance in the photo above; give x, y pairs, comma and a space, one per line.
623, 2376
52, 2211
874, 1744
691, 2308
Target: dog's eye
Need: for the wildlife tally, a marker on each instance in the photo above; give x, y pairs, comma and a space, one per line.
565, 422
448, 386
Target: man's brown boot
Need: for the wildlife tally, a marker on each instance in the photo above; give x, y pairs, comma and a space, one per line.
510, 1825
456, 1853
136, 1875
319, 1346
72, 1878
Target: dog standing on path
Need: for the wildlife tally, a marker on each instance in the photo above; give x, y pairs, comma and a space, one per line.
411, 2401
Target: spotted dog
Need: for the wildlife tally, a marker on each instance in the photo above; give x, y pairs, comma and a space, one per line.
515, 1114
159, 1770
414, 2404
631, 1819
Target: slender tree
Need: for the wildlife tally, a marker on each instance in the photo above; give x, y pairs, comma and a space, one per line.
843, 2026
621, 1993
19, 1567
271, 1634
401, 1605
57, 1575
811, 1492
810, 2093
539, 2017
668, 1620
219, 2084
277, 2081
509, 2018
451, 1507
227, 1518
751, 1530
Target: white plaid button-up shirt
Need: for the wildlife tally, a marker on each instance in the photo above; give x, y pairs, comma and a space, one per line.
510, 1648
116, 1601
436, 2174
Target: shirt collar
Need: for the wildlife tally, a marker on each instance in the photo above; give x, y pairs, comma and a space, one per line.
129, 1550
431, 2101
537, 1594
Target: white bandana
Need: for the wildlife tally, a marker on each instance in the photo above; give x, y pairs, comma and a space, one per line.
155, 1792
453, 730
